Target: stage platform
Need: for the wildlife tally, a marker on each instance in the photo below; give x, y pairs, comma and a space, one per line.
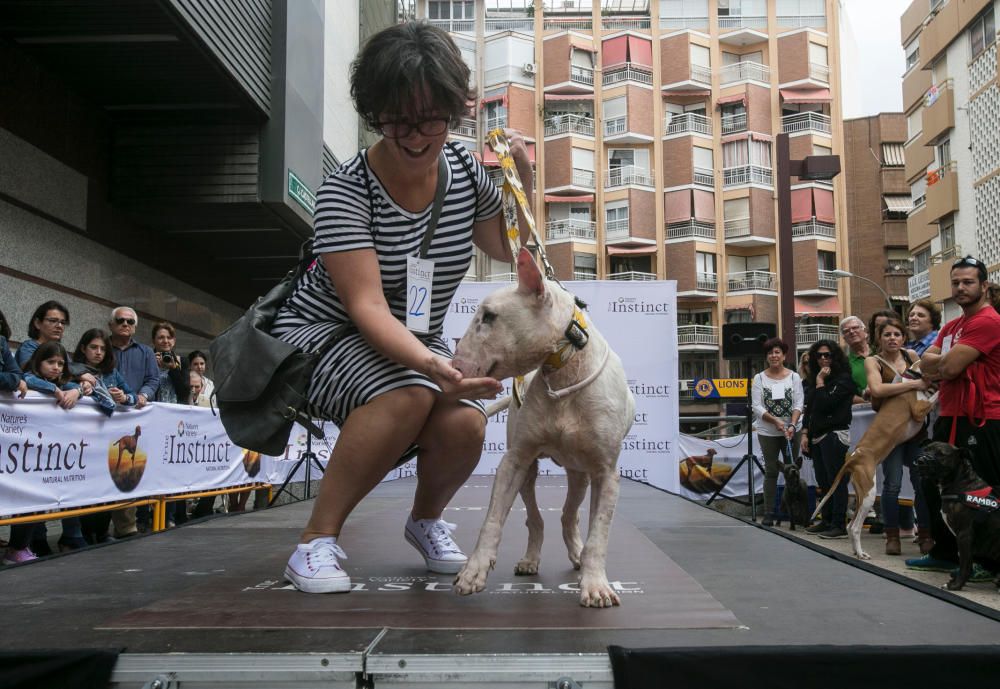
205, 604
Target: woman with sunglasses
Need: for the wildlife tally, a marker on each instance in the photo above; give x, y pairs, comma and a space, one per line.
829, 392
391, 384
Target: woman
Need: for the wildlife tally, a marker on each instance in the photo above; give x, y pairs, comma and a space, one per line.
388, 387
777, 399
923, 321
885, 379
198, 362
175, 388
875, 321
826, 430
95, 357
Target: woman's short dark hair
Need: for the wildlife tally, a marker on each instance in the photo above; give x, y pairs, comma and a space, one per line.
405, 64
107, 364
162, 325
195, 355
930, 307
773, 342
39, 315
45, 351
838, 362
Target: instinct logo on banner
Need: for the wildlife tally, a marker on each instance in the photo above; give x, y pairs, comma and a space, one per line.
186, 447
397, 584
32, 453
465, 305
654, 390
636, 305
635, 443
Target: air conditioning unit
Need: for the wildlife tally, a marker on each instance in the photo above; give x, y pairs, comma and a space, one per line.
528, 68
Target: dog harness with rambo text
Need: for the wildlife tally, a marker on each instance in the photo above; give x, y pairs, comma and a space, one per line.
984, 500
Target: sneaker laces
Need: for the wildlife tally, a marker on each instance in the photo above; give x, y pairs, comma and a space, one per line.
326, 553
439, 533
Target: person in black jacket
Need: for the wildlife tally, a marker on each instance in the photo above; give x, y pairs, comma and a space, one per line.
829, 392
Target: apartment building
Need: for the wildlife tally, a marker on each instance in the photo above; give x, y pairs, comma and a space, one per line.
652, 127
878, 204
952, 152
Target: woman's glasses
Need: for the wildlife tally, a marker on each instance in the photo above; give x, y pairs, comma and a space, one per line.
56, 321
824, 355
402, 129
125, 321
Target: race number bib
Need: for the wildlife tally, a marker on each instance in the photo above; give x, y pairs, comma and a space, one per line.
419, 279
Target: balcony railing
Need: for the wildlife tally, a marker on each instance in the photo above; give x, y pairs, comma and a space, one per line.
684, 23
466, 127
732, 124
827, 280
499, 122
624, 22
698, 335
920, 286
584, 275
746, 174
737, 227
704, 177
581, 75
743, 22
753, 280
455, 25
496, 176
805, 122
708, 282
520, 24
691, 229
632, 275
701, 74
814, 228
681, 123
819, 72
616, 229
803, 21
806, 335
615, 126
900, 267
570, 229
501, 277
744, 71
628, 175
569, 124
583, 178
564, 23
628, 72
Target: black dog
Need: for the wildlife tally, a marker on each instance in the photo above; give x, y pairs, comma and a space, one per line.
795, 497
970, 507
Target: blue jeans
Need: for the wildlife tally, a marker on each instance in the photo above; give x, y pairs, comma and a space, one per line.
892, 473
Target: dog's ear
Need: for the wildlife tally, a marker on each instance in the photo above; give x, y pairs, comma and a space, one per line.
529, 277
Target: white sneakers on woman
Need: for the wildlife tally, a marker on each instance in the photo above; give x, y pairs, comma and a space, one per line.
432, 539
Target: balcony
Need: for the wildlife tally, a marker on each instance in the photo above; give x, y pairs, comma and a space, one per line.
628, 175
455, 25
754, 280
920, 286
684, 23
556, 230
815, 21
827, 280
732, 124
807, 335
466, 127
819, 72
620, 23
806, 123
519, 24
584, 178
698, 336
616, 230
899, 267
583, 275
639, 74
745, 71
615, 126
569, 124
942, 192
691, 229
551, 23
500, 277
726, 23
498, 122
707, 282
736, 228
687, 123
939, 113
814, 229
496, 176
632, 275
701, 74
747, 174
704, 177
581, 75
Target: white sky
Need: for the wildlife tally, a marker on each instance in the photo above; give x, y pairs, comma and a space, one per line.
872, 60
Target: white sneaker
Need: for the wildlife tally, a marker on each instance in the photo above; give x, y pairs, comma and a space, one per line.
314, 567
432, 538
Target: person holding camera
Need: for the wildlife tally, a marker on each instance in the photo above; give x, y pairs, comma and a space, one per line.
175, 388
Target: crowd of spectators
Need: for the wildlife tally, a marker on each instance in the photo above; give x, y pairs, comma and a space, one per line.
115, 370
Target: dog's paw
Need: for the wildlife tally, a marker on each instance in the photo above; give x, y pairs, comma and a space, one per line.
472, 578
597, 593
525, 567
954, 585
862, 555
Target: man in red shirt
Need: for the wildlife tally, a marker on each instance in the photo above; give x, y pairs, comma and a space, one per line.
965, 360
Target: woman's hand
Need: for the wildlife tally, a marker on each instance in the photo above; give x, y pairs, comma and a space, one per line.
88, 378
68, 398
86, 387
789, 432
22, 389
779, 424
117, 395
454, 385
921, 384
518, 148
804, 444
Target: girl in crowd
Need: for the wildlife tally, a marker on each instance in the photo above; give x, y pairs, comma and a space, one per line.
777, 400
885, 379
199, 363
829, 392
94, 356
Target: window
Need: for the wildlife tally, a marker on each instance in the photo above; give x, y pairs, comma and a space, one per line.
817, 54
583, 159
819, 150
982, 32
922, 261
942, 153
704, 263
826, 260
912, 54
700, 55
614, 108
739, 316
736, 58
946, 230
734, 118
683, 14
914, 123
616, 214
746, 264
694, 366
451, 9
582, 58
496, 114
801, 13
584, 266
694, 317
736, 209
703, 158
918, 191
898, 262
742, 8
746, 152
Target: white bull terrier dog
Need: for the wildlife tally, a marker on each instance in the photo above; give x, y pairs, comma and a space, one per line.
576, 409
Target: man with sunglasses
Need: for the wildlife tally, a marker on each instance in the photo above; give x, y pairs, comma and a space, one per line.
965, 360
135, 361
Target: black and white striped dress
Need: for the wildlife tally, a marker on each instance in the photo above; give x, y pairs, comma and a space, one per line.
354, 211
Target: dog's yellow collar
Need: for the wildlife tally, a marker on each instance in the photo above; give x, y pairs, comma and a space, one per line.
576, 338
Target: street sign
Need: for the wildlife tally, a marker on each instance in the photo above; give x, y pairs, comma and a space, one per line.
298, 190
714, 388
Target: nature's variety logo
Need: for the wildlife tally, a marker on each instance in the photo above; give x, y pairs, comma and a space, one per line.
251, 462
126, 461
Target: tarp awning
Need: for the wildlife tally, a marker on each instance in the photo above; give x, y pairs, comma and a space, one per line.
490, 158
640, 51
806, 95
634, 251
569, 96
817, 306
704, 205
898, 203
823, 200
677, 205
615, 50
579, 198
802, 205
892, 155
501, 98
730, 100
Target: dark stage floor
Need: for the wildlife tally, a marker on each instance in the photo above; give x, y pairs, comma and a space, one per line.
207, 601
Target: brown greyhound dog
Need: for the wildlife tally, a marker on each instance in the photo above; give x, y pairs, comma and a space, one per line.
899, 418
127, 443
